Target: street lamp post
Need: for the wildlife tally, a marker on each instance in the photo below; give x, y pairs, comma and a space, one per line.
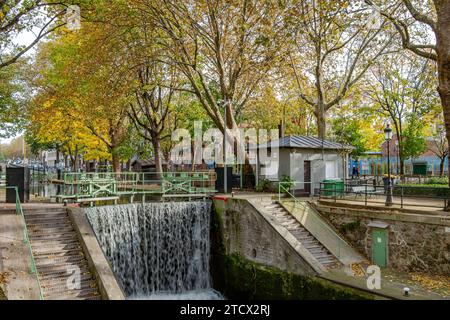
388, 138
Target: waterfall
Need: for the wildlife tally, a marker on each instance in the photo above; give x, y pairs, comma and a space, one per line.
156, 248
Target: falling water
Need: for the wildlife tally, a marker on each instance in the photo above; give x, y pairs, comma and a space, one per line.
157, 249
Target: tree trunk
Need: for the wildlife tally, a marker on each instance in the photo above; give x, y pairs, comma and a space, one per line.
402, 166
321, 117
443, 59
158, 162
441, 167
115, 161
57, 157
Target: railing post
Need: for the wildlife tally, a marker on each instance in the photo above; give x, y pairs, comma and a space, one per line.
365, 198
279, 192
334, 192
401, 197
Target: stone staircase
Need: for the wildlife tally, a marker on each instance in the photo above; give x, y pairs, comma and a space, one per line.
318, 251
57, 253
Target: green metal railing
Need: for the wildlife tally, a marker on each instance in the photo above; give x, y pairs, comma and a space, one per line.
107, 184
26, 241
2, 179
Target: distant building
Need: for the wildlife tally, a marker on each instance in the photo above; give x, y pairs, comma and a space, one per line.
49, 158
308, 160
375, 163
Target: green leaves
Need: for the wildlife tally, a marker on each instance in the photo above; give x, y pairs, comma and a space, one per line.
414, 142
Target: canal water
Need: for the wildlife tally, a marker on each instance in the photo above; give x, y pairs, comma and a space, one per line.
157, 250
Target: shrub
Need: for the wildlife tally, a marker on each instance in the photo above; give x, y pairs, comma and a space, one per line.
287, 182
425, 190
437, 181
265, 185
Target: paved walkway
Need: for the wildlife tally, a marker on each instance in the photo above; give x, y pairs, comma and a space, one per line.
394, 282
16, 281
422, 204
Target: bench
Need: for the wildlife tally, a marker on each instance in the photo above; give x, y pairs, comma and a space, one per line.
360, 190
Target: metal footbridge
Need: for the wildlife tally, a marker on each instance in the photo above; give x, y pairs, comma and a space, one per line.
91, 187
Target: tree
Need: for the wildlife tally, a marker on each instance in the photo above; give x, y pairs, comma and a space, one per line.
414, 142
439, 145
333, 48
18, 16
434, 17
269, 109
225, 49
13, 99
149, 112
78, 75
400, 87
348, 132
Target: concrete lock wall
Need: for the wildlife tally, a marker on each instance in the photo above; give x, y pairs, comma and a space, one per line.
252, 260
416, 242
247, 233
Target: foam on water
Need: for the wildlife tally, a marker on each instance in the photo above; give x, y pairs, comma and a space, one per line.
189, 295
157, 250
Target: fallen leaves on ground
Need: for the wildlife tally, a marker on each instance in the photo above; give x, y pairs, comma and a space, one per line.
357, 270
432, 282
4, 277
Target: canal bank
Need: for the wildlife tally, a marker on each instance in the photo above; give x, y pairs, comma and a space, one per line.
253, 258
256, 257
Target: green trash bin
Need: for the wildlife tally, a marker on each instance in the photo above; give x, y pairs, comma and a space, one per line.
333, 187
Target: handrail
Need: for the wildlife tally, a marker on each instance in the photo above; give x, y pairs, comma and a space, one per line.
283, 189
92, 185
26, 241
400, 192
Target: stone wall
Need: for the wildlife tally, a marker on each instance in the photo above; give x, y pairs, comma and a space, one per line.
250, 260
415, 242
243, 230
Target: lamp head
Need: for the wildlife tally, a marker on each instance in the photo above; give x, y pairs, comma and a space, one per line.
388, 133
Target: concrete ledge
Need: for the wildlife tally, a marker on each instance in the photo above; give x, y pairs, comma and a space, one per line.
362, 211
106, 281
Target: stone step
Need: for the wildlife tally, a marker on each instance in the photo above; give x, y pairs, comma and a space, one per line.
306, 238
323, 255
42, 219
62, 279
313, 246
326, 260
59, 253
57, 211
74, 294
42, 237
318, 251
62, 287
58, 268
46, 226
300, 231
62, 271
42, 244
56, 249
292, 224
49, 260
44, 231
